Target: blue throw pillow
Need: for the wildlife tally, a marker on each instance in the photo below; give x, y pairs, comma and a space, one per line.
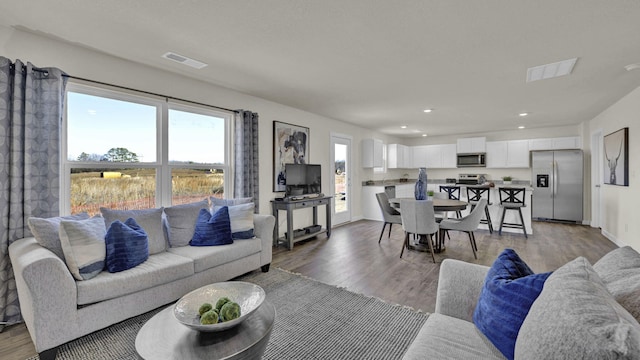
127, 245
212, 229
509, 290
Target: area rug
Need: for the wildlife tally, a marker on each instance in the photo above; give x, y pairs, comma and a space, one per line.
313, 321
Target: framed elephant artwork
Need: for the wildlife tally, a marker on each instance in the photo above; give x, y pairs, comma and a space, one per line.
290, 146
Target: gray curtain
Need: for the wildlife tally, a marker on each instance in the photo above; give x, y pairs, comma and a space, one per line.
31, 102
246, 156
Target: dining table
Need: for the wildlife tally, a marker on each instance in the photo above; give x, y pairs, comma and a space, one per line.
443, 205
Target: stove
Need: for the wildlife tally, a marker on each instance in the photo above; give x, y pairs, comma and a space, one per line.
471, 179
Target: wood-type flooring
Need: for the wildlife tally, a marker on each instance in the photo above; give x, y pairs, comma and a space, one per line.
353, 259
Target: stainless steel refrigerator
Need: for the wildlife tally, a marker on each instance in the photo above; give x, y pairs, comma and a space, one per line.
557, 185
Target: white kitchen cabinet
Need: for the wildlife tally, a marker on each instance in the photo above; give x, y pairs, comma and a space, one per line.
471, 145
442, 156
560, 143
419, 156
398, 156
508, 154
371, 154
518, 154
370, 207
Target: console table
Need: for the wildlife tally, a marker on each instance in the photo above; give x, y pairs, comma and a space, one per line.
289, 206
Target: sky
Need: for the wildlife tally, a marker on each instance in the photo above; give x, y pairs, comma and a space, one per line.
97, 124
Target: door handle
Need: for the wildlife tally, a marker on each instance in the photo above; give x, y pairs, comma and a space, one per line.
598, 185
555, 178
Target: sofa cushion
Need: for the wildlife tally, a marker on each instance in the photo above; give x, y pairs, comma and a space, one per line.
157, 270
206, 257
241, 220
620, 272
212, 230
509, 289
149, 219
575, 317
445, 337
127, 245
46, 231
83, 246
181, 222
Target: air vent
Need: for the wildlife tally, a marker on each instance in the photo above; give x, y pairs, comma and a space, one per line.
184, 60
552, 70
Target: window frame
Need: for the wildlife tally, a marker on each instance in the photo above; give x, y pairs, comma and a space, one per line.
163, 169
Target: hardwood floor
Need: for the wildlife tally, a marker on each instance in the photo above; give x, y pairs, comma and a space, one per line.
352, 259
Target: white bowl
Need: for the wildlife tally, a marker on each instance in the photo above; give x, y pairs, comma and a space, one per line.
248, 296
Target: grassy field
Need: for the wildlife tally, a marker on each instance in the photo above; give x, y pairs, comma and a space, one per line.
135, 189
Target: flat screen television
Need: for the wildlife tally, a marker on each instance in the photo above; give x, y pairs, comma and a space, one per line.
303, 179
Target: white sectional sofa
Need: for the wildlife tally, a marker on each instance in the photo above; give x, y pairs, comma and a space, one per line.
58, 308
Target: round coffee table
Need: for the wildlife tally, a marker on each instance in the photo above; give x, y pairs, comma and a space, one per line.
163, 337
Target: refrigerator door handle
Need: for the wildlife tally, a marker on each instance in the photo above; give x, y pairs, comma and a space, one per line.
555, 179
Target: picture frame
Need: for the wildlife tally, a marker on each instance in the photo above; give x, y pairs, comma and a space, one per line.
290, 146
616, 158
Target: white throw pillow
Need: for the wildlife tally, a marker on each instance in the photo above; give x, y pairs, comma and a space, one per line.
83, 246
241, 217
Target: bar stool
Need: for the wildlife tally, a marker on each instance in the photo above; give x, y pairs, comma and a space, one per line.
474, 194
512, 198
454, 194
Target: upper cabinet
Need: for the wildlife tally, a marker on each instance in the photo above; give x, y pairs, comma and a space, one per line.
441, 156
471, 145
560, 143
399, 156
508, 154
371, 154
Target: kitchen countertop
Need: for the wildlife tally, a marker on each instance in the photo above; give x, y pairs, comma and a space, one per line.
498, 183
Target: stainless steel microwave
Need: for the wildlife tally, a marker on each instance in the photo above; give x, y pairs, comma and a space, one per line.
472, 160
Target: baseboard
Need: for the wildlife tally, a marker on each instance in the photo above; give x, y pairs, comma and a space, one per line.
613, 238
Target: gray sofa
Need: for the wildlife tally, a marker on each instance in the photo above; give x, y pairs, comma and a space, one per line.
583, 312
58, 309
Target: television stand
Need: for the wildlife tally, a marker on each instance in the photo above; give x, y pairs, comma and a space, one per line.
289, 205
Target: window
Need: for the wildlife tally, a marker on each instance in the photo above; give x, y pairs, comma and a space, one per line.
127, 151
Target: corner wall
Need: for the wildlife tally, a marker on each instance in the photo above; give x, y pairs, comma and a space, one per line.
619, 204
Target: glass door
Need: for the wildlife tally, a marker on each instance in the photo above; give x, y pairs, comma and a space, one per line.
341, 177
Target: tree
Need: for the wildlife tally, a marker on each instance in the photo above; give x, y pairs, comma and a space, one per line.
89, 157
120, 155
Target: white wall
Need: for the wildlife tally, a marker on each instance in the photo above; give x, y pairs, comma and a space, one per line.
619, 203
87, 63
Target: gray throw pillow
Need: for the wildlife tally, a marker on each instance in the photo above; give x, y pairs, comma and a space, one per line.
620, 272
46, 231
181, 222
229, 202
148, 219
575, 317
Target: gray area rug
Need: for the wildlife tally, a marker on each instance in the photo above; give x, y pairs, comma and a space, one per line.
313, 321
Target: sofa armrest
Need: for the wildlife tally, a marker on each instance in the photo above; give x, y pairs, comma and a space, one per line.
459, 288
47, 292
263, 229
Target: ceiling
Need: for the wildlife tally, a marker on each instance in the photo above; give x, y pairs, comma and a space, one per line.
375, 63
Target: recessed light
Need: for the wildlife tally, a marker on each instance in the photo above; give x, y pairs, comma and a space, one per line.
523, 114
403, 127
428, 110
520, 127
424, 135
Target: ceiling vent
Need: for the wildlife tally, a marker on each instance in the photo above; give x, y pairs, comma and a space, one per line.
549, 71
184, 60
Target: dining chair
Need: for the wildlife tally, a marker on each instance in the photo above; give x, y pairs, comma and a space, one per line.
474, 194
454, 194
441, 215
512, 198
389, 214
467, 224
418, 218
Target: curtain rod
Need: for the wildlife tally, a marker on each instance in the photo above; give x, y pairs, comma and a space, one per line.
147, 92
